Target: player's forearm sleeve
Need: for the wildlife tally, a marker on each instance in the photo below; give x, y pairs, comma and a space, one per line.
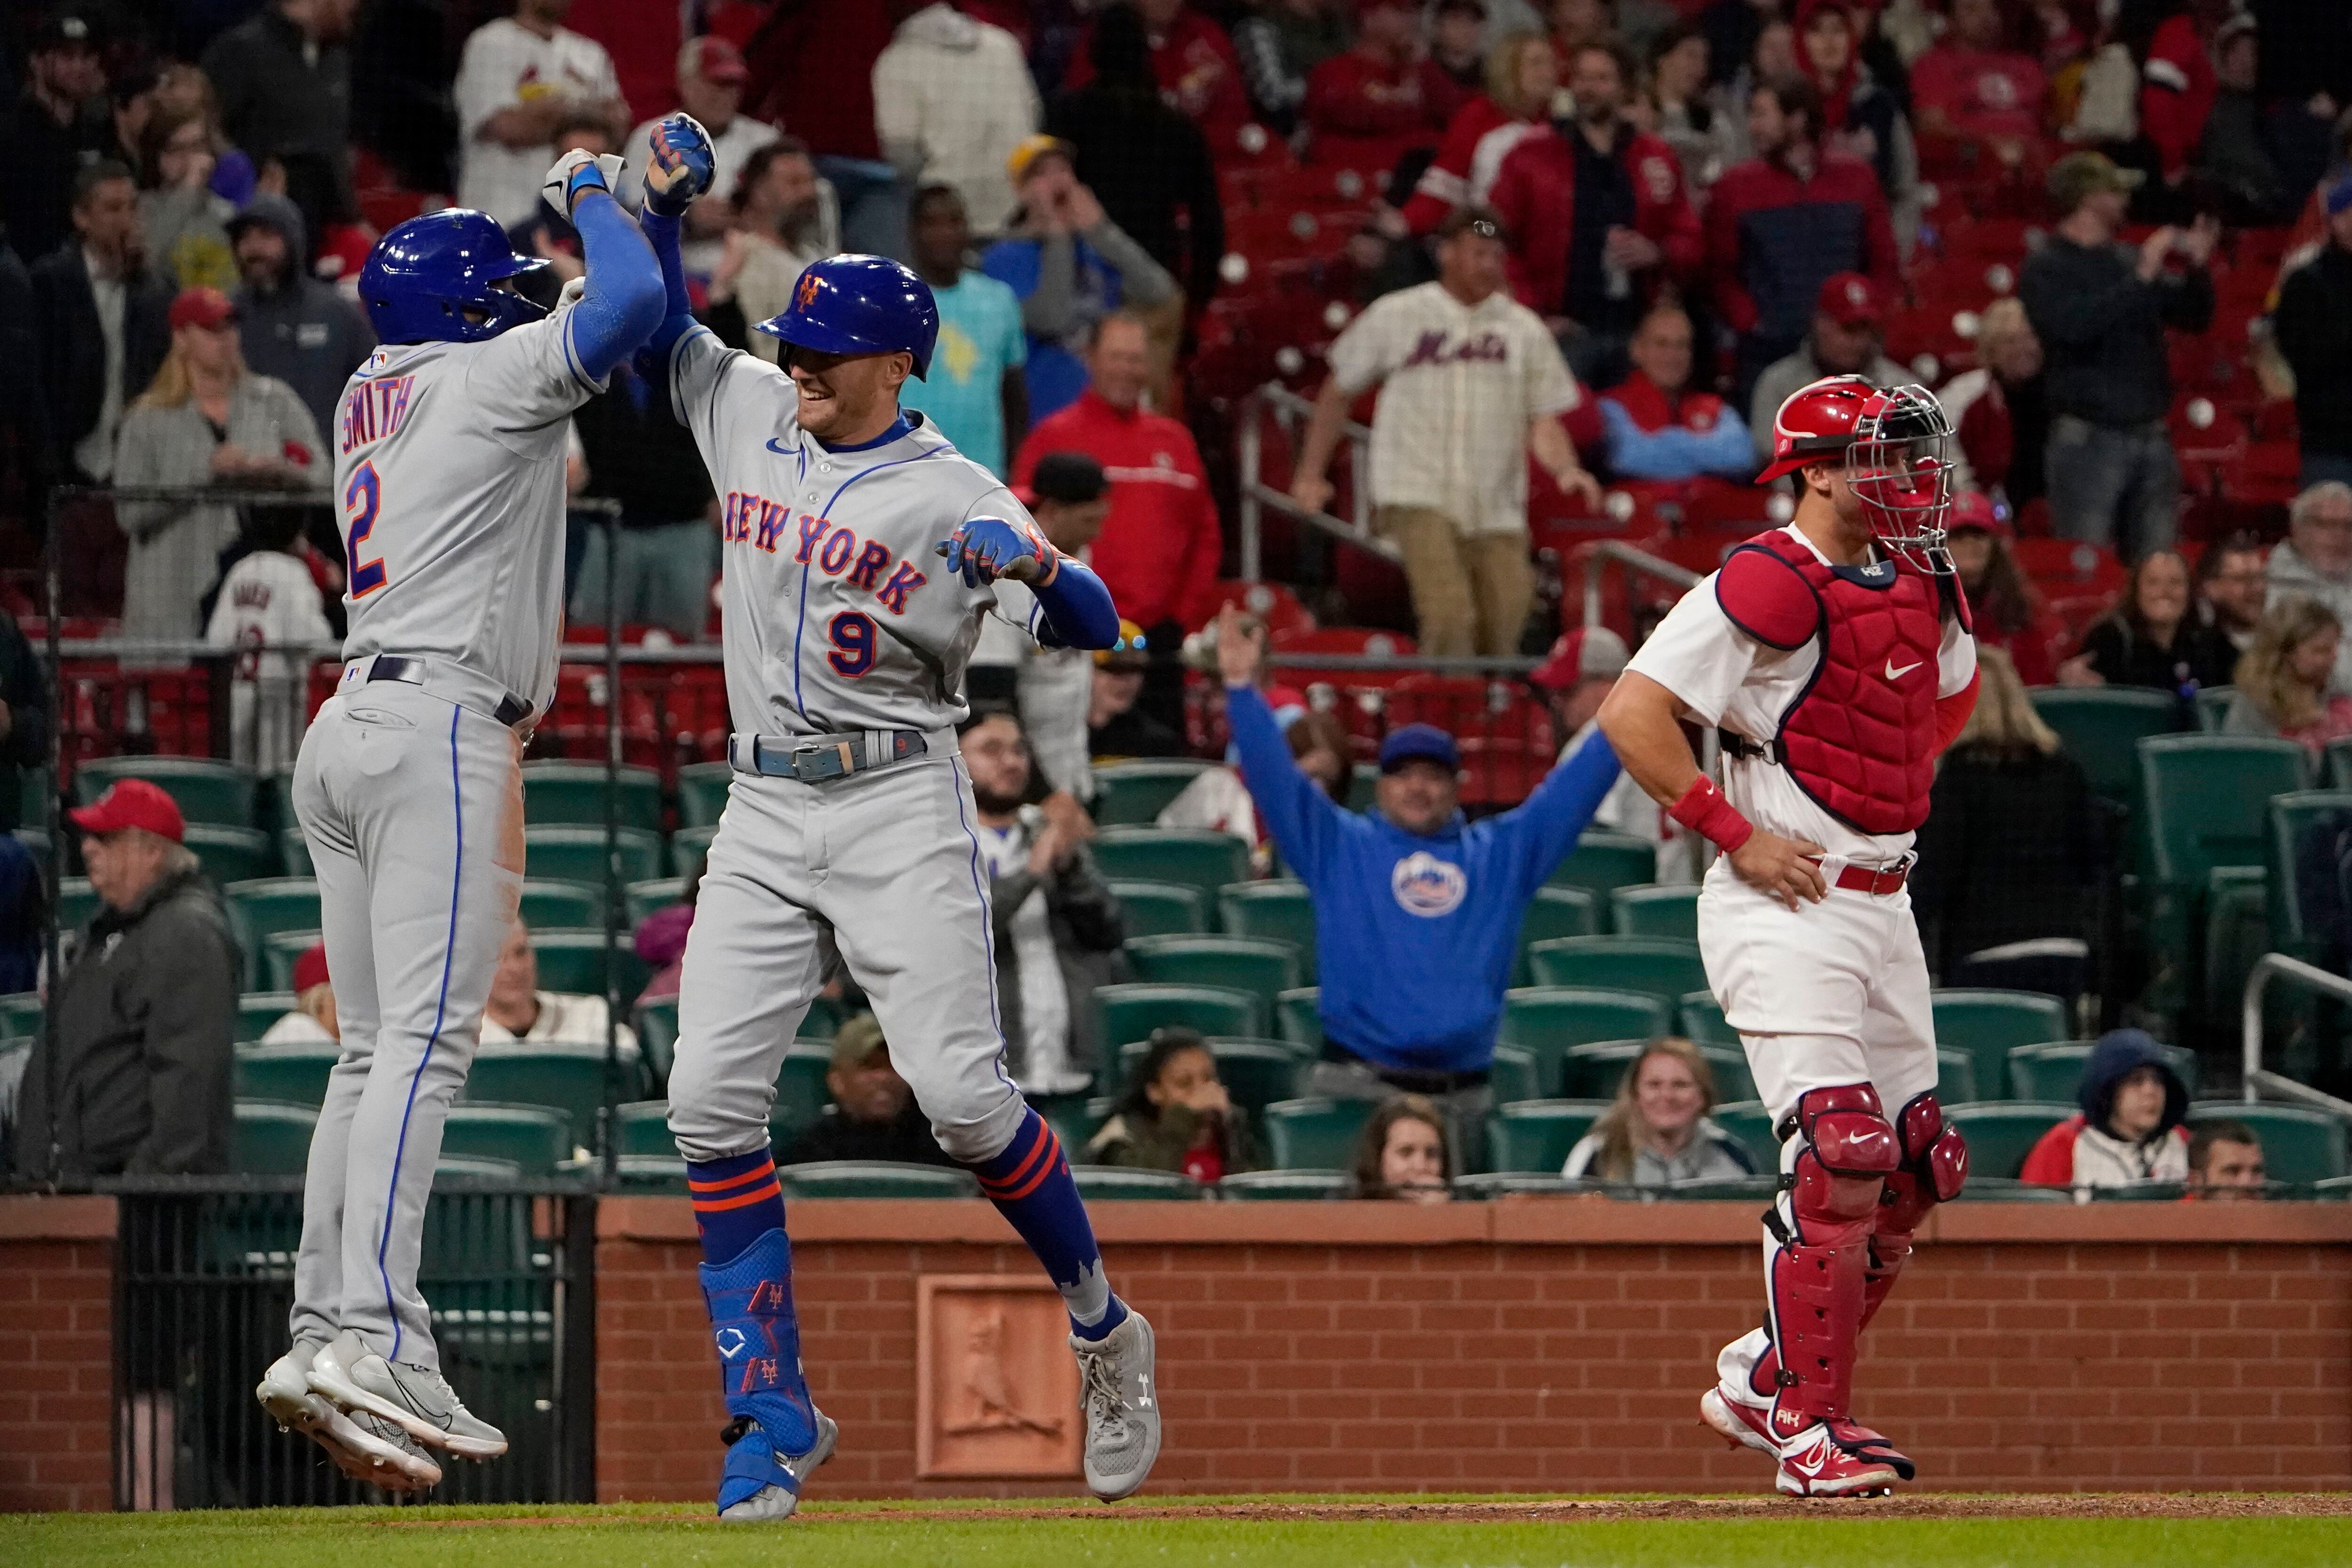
1952, 715
1078, 608
661, 232
624, 302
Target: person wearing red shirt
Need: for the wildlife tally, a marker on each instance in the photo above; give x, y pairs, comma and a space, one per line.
1369, 107
1974, 97
1199, 71
1521, 78
1660, 428
1598, 219
2176, 89
1159, 543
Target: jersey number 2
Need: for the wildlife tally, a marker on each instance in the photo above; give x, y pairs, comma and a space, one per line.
361, 497
853, 644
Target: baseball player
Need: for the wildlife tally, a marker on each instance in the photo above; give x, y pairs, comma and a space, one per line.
862, 552
449, 454
1834, 657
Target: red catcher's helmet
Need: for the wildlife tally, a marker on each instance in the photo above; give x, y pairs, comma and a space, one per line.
1897, 445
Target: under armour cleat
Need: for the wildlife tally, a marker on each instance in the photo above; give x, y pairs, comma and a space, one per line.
366, 1447
761, 1485
417, 1399
1837, 1458
1121, 1396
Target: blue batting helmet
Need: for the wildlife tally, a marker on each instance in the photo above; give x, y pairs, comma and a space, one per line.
860, 304
423, 277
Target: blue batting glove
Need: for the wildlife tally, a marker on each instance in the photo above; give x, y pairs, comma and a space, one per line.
985, 549
680, 164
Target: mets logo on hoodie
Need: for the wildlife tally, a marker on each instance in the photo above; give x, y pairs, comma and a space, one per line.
1427, 886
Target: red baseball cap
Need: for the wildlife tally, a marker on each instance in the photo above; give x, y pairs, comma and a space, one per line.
1587, 653
311, 969
1850, 298
1974, 510
201, 306
714, 59
131, 803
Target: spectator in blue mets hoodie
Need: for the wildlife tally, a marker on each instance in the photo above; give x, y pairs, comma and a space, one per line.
1418, 911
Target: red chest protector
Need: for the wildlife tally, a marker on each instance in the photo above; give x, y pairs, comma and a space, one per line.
1859, 739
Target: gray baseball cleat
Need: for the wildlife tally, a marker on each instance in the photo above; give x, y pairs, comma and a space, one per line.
417, 1399
1120, 1397
750, 1455
366, 1447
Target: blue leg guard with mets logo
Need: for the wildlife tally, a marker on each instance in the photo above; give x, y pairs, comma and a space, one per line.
776, 1436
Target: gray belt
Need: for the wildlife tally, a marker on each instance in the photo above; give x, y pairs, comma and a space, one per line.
813, 759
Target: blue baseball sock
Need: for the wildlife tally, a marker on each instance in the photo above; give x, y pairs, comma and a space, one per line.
1031, 1185
736, 1202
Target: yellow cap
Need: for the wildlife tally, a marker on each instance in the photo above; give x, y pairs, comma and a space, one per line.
1130, 651
1031, 148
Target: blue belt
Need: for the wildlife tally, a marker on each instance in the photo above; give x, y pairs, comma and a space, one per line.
813, 759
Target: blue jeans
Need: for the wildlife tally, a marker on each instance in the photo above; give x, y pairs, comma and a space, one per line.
2113, 485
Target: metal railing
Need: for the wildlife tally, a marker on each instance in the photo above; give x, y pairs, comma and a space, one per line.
1635, 563
2294, 972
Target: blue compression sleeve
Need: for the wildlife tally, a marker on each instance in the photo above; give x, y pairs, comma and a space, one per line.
661, 232
1077, 609
623, 303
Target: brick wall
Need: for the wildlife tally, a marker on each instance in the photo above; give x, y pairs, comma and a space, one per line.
56, 1272
1551, 1344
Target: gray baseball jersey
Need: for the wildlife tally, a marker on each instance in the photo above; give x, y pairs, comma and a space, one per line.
450, 469
839, 614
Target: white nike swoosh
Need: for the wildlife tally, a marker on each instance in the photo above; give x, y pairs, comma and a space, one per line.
1895, 675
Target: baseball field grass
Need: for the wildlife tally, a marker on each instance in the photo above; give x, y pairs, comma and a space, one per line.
1483, 1531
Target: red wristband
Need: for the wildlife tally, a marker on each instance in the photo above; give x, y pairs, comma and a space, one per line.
1705, 811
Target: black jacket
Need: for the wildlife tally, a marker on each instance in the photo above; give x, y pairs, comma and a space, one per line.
1089, 930
145, 1018
2102, 329
73, 348
278, 102
834, 1136
640, 454
24, 422
2313, 328
37, 203
26, 695
1147, 163
2008, 852
2199, 655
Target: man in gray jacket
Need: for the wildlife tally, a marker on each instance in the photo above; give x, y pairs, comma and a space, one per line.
139, 1081
293, 326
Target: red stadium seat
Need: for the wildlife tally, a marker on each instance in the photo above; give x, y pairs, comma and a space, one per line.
2069, 566
1275, 603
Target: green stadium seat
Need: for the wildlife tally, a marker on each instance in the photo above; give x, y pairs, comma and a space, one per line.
569, 852
1514, 1076
562, 907
77, 903
1748, 1121
657, 1026
636, 1175
284, 1074
1112, 1183
1545, 1020
566, 1078
232, 854
258, 910
1363, 787
802, 1093
1603, 863
874, 1178
2206, 800
2214, 706
272, 1139
20, 1015
1298, 1017
2101, 729
1486, 1185
2001, 1132
1133, 794
1263, 966
1722, 1189
533, 1138
1655, 910
702, 794
2054, 1072
1551, 913
293, 851
1256, 1072
255, 1011
2237, 934
1316, 1134
688, 848
554, 792
1195, 857
1286, 1186
641, 1130
1592, 1071
1131, 1011
576, 961
2007, 1189
1657, 966
1956, 1077
1279, 909
1700, 1018
2292, 818
651, 897
1162, 908
2337, 1189
822, 1021
1075, 1118
280, 951
458, 1172
218, 794
1988, 1025
2300, 1142
1535, 1135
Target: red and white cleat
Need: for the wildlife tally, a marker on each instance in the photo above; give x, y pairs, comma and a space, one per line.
1739, 1422
1838, 1458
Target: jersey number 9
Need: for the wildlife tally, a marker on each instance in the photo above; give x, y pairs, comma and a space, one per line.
361, 497
853, 644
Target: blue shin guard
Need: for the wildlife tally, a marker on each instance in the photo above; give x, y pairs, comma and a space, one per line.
775, 1425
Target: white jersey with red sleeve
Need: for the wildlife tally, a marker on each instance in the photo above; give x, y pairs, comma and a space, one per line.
1724, 677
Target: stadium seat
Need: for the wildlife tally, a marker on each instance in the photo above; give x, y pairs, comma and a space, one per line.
702, 794
874, 1178
635, 1174
531, 1137
1956, 1079
575, 961
1603, 863
688, 848
1280, 908
272, 1139
1513, 1075
1263, 966
2008, 1189
261, 908
2054, 1072
2101, 729
656, 1023
1748, 1121
232, 854
1298, 1017
77, 903
562, 907
568, 852
1162, 908
20, 1015
1314, 1134
2235, 936
822, 1021
1551, 913
457, 1172
1535, 1135
2001, 1132
1075, 1118
218, 794
1131, 1011
1286, 1186
640, 899
1256, 1072
1133, 794
641, 1129
2206, 797
1988, 1025
566, 1078
294, 852
2212, 707
1700, 1018
1592, 1071
573, 792
285, 1074
279, 952
1659, 967
1546, 1021
2292, 845
801, 1093
2300, 1142
255, 1011
1655, 910
1196, 857
1112, 1184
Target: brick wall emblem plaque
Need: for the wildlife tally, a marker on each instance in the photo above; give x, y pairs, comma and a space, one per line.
996, 1388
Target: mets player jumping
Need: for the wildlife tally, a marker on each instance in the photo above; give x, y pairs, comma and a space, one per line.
862, 552
1836, 658
450, 467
